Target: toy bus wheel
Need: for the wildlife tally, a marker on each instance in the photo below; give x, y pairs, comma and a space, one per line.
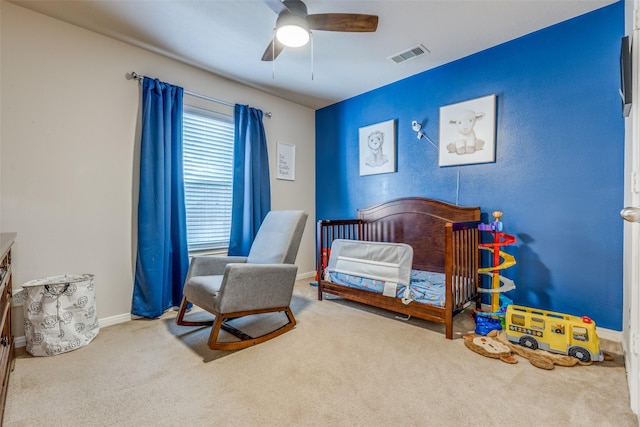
528, 342
580, 353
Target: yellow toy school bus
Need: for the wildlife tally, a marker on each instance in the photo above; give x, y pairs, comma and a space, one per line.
556, 332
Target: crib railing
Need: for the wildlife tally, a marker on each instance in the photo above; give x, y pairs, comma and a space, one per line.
462, 253
461, 258
328, 231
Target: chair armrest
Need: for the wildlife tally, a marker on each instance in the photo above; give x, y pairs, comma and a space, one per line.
211, 265
256, 286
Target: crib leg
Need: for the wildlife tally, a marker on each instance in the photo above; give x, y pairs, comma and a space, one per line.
448, 322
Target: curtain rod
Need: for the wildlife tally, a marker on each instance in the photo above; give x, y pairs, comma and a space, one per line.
135, 76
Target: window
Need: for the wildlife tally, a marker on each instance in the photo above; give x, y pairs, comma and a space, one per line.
537, 323
517, 319
208, 178
580, 334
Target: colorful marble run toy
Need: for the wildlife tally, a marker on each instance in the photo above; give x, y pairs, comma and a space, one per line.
501, 261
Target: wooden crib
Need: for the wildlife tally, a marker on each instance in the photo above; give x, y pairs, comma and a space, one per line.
444, 238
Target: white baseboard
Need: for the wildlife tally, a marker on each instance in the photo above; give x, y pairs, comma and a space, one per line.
114, 320
103, 323
19, 341
307, 275
609, 334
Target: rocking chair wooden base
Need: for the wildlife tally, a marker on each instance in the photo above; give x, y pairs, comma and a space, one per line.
220, 322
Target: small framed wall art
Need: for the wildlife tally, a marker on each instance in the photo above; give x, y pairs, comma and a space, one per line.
377, 148
286, 162
468, 132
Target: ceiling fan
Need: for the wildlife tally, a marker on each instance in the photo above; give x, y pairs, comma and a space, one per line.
294, 24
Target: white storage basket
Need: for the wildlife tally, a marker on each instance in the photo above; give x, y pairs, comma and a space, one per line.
59, 314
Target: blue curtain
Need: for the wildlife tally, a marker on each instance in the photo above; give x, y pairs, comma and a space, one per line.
162, 258
251, 187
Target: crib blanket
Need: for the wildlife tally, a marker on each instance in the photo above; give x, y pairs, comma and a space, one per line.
426, 287
387, 263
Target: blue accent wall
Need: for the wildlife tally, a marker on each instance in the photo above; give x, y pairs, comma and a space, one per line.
558, 174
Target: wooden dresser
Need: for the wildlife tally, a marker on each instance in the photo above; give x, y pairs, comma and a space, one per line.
7, 350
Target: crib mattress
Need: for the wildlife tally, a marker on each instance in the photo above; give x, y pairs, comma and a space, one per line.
425, 287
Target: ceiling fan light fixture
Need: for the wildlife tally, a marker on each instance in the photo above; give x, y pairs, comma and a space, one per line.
292, 30
294, 24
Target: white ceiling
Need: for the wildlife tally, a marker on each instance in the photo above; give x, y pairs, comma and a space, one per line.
228, 37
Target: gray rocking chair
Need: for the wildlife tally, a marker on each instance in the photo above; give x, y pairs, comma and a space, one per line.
230, 286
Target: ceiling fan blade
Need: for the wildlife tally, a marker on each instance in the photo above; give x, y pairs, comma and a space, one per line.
272, 51
276, 5
347, 22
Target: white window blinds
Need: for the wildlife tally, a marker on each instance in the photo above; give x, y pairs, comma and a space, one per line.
208, 178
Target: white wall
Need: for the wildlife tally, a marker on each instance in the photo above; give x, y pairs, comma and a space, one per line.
69, 164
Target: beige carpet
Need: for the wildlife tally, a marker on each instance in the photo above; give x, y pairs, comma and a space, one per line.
342, 365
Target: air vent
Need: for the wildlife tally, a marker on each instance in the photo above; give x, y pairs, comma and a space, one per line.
409, 54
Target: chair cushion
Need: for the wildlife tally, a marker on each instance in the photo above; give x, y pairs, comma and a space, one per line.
203, 291
278, 238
